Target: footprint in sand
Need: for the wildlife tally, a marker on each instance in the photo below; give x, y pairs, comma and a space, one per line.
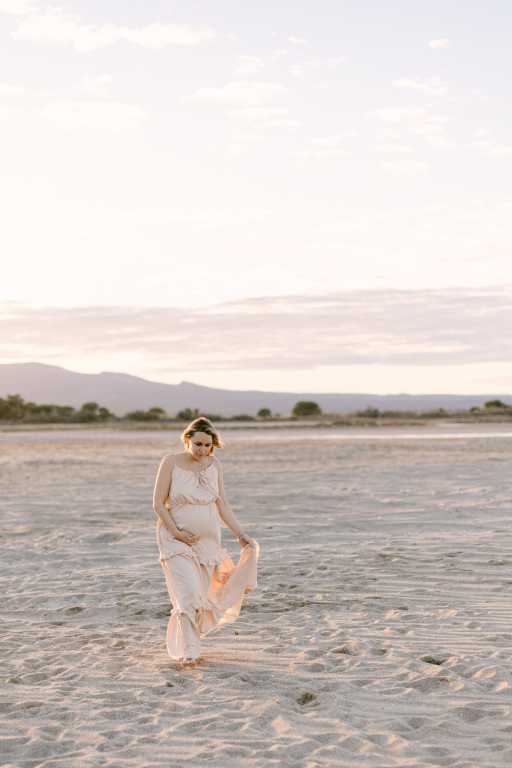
387, 740
315, 666
470, 714
34, 679
312, 653
429, 684
356, 745
307, 697
445, 613
397, 631
75, 609
485, 673
106, 538
417, 722
345, 650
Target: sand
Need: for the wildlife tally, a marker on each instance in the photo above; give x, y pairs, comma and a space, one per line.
380, 633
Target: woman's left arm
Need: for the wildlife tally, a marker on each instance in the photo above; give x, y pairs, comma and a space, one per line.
226, 512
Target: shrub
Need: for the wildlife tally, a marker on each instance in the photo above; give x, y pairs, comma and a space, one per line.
187, 414
306, 408
371, 413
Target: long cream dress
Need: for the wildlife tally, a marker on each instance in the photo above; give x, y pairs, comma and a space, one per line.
205, 586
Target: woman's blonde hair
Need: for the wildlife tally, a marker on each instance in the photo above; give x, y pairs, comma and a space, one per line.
201, 424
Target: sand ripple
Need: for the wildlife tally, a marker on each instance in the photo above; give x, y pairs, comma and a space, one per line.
379, 636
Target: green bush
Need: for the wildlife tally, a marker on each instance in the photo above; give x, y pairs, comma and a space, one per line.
306, 408
370, 413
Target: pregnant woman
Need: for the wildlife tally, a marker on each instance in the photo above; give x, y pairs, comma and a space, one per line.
205, 586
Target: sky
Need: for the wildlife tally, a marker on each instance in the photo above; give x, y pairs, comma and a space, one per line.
306, 196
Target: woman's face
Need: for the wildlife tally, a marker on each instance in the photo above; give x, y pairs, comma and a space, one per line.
200, 445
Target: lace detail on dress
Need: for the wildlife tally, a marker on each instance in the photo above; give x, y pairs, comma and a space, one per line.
189, 487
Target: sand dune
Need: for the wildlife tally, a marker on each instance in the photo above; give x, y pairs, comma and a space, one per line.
379, 636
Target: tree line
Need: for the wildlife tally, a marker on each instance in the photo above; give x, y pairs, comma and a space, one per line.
15, 409
496, 407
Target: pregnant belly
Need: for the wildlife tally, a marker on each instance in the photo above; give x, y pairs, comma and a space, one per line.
201, 520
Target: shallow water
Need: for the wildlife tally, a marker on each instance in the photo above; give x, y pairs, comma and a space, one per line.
438, 431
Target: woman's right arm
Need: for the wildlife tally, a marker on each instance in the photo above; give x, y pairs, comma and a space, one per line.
161, 492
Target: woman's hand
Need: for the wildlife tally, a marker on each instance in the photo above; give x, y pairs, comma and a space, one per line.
186, 537
245, 540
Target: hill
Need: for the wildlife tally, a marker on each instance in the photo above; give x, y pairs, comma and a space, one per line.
121, 392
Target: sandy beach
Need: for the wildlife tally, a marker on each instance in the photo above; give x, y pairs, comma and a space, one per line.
380, 634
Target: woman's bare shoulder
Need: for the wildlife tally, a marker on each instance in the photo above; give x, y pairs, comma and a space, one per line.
169, 460
216, 462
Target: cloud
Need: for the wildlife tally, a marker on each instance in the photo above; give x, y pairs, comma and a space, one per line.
440, 42
103, 116
259, 114
401, 114
314, 65
492, 148
417, 327
10, 89
251, 103
216, 218
266, 117
6, 112
294, 40
240, 93
244, 143
326, 147
419, 121
278, 54
408, 168
501, 150
13, 105
394, 149
97, 86
283, 122
16, 7
58, 26
431, 85
249, 65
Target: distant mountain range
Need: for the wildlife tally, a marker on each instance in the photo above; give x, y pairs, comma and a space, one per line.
120, 392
